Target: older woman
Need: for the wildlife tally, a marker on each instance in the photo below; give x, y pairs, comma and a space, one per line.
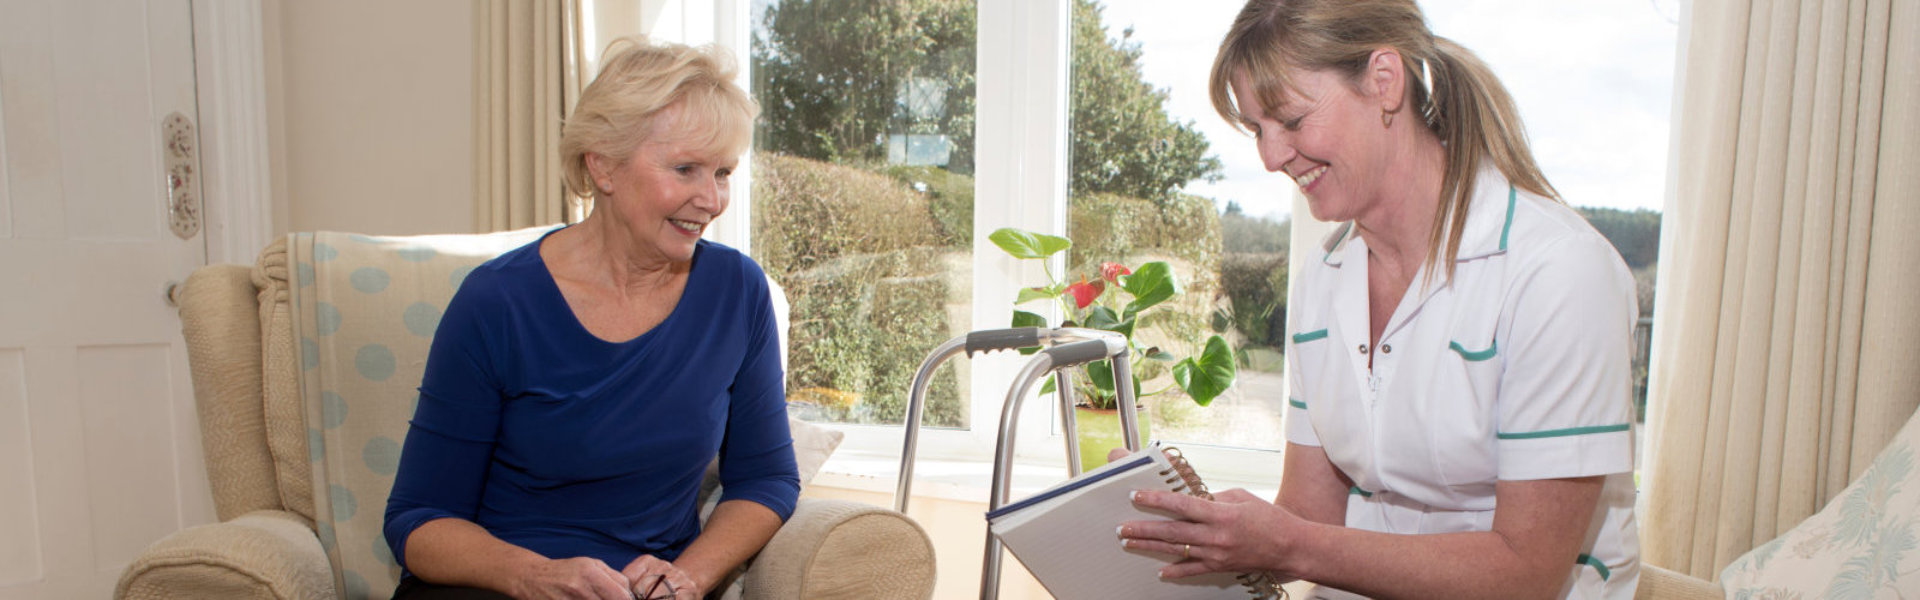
1460, 417
578, 386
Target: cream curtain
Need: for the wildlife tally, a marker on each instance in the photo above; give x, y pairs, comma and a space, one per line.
1787, 344
526, 78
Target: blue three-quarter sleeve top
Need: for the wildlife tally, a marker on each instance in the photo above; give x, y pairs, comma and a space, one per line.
568, 445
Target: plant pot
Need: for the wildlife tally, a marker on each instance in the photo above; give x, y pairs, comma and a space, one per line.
1099, 431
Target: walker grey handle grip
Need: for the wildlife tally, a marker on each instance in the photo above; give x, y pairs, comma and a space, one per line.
1077, 353
990, 340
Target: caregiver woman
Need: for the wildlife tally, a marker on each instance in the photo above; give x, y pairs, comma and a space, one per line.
1459, 421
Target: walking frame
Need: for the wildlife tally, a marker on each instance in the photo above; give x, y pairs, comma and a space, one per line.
1064, 347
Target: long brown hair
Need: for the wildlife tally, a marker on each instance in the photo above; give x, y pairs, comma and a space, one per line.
1468, 108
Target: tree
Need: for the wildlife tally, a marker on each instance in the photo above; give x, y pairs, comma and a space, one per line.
833, 72
1635, 234
1123, 140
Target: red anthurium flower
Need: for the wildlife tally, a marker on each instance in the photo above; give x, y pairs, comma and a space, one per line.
1084, 293
1112, 270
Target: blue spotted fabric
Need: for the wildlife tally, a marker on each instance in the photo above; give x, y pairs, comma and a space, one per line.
365, 310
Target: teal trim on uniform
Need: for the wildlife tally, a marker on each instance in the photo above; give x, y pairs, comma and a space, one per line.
1476, 356
1356, 491
1605, 573
1512, 195
1564, 432
1297, 404
1302, 338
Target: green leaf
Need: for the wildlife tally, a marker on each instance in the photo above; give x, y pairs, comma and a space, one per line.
1100, 372
1026, 244
1155, 353
1039, 293
1149, 285
1207, 376
1103, 318
1023, 318
1047, 388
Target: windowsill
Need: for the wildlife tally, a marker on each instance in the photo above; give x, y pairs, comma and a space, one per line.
971, 479
945, 478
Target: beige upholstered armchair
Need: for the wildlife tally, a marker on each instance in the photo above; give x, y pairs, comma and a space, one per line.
1865, 543
304, 372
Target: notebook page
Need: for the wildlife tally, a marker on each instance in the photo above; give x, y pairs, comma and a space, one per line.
1071, 545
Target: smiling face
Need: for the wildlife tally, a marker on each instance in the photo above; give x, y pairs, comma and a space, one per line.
1326, 136
672, 187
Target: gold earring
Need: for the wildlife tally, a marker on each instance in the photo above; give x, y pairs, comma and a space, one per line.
1386, 118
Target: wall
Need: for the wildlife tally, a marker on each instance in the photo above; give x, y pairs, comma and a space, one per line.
370, 109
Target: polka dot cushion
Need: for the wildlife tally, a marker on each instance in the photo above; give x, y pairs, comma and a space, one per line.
365, 309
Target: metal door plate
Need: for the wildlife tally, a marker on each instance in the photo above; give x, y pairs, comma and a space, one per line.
182, 150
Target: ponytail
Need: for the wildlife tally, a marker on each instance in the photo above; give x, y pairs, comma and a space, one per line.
1476, 120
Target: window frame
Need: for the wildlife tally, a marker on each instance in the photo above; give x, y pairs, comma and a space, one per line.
1021, 138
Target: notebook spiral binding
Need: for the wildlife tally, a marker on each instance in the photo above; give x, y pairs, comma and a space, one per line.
1260, 585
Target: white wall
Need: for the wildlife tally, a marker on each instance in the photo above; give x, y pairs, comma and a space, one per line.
370, 104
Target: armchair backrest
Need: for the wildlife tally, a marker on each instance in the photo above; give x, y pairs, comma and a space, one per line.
363, 312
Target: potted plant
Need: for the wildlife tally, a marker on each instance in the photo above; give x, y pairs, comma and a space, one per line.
1087, 303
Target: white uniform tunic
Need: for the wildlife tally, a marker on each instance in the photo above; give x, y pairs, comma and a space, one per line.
1517, 369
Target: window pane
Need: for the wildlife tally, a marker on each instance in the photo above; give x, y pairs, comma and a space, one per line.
1147, 187
863, 196
1140, 96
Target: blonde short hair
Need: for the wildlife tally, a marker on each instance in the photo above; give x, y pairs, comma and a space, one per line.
638, 79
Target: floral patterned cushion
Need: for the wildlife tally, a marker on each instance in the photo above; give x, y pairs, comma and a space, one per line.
1864, 544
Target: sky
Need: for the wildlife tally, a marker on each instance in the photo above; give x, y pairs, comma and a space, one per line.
1593, 79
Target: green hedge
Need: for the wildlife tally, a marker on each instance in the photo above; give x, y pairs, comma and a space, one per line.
864, 265
862, 324
1256, 286
875, 262
806, 212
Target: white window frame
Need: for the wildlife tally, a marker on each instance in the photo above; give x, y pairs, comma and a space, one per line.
1021, 180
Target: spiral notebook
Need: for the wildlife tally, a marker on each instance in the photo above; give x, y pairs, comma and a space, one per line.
1065, 535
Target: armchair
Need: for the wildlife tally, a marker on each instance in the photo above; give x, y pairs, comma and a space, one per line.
304, 373
1862, 544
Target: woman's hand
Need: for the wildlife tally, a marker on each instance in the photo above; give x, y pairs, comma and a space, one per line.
571, 579
647, 571
1237, 532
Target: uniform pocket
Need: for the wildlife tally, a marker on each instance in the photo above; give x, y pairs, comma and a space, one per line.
1482, 355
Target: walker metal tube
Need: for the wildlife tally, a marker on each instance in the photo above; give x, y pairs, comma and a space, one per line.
1069, 426
1003, 466
1125, 401
1057, 357
916, 405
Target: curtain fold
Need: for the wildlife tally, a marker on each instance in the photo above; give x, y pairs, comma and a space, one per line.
526, 79
1785, 350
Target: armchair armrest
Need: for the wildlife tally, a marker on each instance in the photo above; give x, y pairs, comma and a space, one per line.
1661, 584
842, 549
261, 554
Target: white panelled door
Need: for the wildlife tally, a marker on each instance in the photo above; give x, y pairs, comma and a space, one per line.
99, 448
